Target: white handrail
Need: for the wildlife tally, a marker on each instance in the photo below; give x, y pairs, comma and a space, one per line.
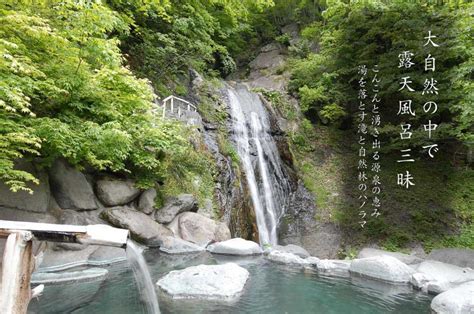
171, 99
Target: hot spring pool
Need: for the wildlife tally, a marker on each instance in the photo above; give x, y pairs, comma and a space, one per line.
271, 289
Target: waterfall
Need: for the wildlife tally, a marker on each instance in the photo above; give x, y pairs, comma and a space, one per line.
267, 182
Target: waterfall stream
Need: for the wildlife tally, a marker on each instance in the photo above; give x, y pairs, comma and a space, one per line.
267, 182
142, 278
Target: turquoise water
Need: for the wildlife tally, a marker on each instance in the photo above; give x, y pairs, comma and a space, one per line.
271, 289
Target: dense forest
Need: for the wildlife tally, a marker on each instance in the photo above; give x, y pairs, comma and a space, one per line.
79, 80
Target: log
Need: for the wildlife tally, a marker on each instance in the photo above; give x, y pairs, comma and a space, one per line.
18, 264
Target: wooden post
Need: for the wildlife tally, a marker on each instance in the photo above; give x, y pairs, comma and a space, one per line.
179, 111
18, 264
172, 105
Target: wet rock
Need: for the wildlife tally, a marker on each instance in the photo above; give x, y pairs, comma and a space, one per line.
455, 256
86, 275
386, 268
291, 248
116, 192
146, 202
171, 245
334, 267
404, 258
420, 281
71, 188
36, 202
142, 228
106, 255
459, 300
286, 258
174, 206
205, 281
198, 229
236, 246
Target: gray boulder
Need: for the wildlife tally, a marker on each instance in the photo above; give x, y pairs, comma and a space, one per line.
146, 202
71, 188
174, 206
385, 268
439, 277
334, 267
286, 258
291, 248
236, 246
142, 228
36, 202
116, 192
171, 245
404, 258
198, 229
459, 300
205, 282
86, 275
455, 256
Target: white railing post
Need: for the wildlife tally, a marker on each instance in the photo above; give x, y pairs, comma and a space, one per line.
164, 109
172, 104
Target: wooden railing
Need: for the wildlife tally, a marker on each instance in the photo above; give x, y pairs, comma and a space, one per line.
176, 105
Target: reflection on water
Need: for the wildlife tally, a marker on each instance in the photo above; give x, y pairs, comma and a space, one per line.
271, 289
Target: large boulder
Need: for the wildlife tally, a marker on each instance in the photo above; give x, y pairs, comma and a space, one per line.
38, 201
291, 248
205, 281
459, 300
236, 246
385, 268
72, 277
455, 256
436, 277
71, 188
174, 206
146, 202
116, 192
142, 228
198, 229
287, 258
404, 258
171, 245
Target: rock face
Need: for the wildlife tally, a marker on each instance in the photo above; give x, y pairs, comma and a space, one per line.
174, 206
384, 268
172, 245
205, 281
404, 258
86, 275
236, 246
459, 300
291, 248
142, 228
116, 192
198, 229
71, 188
146, 202
458, 257
36, 202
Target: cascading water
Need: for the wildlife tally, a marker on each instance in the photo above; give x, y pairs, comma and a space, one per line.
142, 278
268, 184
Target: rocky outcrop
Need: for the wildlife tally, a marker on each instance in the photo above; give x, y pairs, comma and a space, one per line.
37, 201
174, 206
404, 258
385, 268
455, 256
289, 259
146, 202
71, 188
86, 275
171, 245
205, 282
198, 229
116, 192
294, 249
236, 246
143, 229
459, 300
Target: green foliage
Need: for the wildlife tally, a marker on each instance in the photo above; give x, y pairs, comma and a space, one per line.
332, 112
283, 39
